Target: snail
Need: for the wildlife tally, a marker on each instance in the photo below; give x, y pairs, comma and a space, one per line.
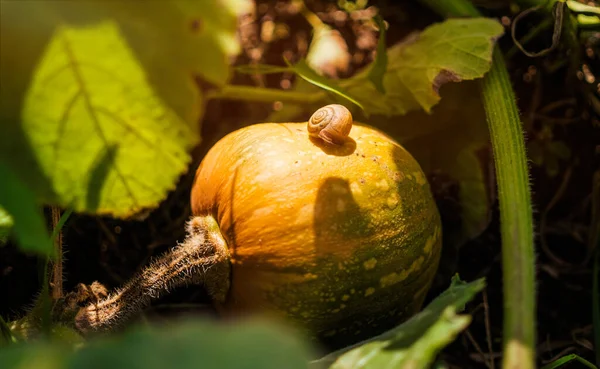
331, 123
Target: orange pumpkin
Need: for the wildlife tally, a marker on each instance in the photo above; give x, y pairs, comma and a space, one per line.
341, 238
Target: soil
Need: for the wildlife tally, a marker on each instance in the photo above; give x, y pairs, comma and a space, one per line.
553, 91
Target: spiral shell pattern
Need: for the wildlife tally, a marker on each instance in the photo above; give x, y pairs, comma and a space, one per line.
331, 123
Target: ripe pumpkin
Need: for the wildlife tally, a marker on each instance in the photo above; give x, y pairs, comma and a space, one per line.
342, 239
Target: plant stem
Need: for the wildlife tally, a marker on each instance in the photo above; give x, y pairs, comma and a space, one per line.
202, 259
266, 95
56, 278
514, 197
508, 144
310, 17
596, 303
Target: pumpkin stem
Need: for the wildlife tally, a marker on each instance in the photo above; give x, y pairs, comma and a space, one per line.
202, 258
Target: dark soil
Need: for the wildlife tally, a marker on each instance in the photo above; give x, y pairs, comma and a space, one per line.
553, 95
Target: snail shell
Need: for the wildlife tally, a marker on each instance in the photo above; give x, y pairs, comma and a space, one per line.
331, 123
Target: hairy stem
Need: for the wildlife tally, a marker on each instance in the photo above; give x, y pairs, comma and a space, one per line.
514, 197
518, 257
202, 259
56, 278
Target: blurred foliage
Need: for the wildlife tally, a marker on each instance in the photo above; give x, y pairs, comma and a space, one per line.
29, 225
180, 345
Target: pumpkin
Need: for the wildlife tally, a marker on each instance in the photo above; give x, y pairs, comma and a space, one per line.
336, 232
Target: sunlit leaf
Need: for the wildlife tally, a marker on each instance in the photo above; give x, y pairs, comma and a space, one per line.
107, 142
186, 345
29, 225
102, 108
415, 343
451, 51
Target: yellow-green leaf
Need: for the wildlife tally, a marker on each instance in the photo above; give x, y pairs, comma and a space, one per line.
451, 51
103, 137
101, 108
185, 344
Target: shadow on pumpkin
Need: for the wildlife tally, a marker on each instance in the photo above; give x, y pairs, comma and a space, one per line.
338, 219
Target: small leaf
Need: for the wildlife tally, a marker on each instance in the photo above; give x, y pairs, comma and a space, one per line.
415, 343
560, 149
568, 358
6, 224
451, 51
29, 225
305, 71
379, 66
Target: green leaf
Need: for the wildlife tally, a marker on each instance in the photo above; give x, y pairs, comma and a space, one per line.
6, 224
107, 142
185, 345
452, 145
415, 343
29, 225
307, 73
451, 51
379, 66
568, 358
100, 111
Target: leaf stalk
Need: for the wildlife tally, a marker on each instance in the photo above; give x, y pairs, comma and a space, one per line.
514, 198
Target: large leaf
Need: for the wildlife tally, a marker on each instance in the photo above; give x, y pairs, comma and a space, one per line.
107, 141
17, 200
186, 345
452, 146
101, 110
451, 51
415, 343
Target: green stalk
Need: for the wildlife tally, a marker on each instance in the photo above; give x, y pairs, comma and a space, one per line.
516, 222
266, 95
514, 198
